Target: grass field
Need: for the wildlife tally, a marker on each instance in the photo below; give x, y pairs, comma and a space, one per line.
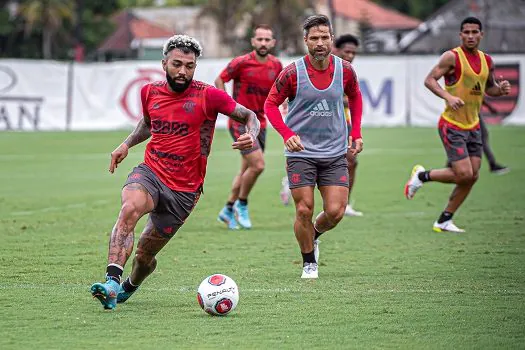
386, 279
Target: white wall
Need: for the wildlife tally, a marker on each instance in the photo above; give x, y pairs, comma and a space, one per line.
47, 95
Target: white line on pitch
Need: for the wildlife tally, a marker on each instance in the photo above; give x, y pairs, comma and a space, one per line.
59, 208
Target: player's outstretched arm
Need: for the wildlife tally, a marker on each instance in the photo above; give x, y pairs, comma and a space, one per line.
140, 134
445, 66
247, 117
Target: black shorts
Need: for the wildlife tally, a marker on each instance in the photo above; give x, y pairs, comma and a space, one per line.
460, 144
172, 208
321, 171
237, 129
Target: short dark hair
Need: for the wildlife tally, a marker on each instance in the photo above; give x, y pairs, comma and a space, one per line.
262, 26
316, 21
346, 39
471, 20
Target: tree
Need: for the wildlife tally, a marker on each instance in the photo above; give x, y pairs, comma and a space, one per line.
48, 16
415, 8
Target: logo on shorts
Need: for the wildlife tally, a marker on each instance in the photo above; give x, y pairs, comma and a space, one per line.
321, 110
343, 178
460, 151
217, 280
295, 178
168, 230
135, 176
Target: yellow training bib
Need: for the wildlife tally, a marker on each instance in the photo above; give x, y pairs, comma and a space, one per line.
470, 87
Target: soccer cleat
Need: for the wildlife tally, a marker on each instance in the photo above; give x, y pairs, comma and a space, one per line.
226, 215
414, 183
316, 250
499, 169
241, 211
285, 193
349, 211
106, 293
447, 226
310, 270
122, 295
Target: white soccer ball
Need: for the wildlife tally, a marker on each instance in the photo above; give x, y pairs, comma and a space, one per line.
218, 295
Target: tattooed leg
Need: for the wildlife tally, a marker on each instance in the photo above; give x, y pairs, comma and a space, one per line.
144, 263
136, 201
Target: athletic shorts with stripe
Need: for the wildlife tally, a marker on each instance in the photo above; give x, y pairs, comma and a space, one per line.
317, 171
237, 129
460, 144
172, 208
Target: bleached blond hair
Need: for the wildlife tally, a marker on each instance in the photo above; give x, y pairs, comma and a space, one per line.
183, 42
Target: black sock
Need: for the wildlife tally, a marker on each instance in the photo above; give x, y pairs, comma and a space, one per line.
243, 201
229, 206
308, 257
128, 287
424, 176
445, 216
114, 272
317, 233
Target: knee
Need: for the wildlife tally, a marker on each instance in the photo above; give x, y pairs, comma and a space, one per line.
129, 213
335, 213
258, 167
304, 212
465, 177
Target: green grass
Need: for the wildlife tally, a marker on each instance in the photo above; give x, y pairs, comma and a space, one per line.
386, 279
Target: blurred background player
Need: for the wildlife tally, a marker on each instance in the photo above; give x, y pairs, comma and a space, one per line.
315, 134
469, 74
179, 116
494, 166
253, 75
346, 48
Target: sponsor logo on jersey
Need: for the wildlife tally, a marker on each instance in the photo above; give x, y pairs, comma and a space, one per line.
321, 110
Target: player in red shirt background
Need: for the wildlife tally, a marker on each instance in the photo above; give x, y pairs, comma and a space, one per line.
253, 75
179, 116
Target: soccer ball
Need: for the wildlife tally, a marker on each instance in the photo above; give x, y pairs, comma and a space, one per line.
218, 295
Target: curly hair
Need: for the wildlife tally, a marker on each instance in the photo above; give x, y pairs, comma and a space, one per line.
182, 42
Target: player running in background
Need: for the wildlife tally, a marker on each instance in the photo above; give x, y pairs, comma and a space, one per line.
179, 115
494, 166
469, 74
253, 75
316, 135
346, 48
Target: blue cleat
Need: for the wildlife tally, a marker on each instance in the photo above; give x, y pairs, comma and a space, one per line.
226, 216
106, 293
122, 295
242, 214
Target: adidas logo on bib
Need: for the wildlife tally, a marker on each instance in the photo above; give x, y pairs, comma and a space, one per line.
321, 110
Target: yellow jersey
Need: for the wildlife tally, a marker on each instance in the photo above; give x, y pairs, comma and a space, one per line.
470, 87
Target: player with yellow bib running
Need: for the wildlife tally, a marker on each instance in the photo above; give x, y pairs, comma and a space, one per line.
469, 74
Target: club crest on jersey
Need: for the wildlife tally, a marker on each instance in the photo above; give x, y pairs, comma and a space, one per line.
217, 280
189, 106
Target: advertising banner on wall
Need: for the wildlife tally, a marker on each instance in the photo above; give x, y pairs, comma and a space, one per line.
33, 95
47, 95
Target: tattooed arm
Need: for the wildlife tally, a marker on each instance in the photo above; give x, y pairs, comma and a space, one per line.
140, 134
247, 117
